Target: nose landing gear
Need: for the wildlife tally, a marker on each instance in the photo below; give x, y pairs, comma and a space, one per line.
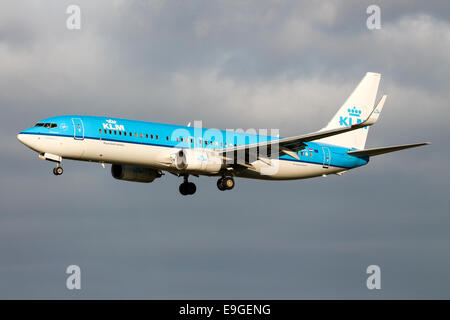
58, 171
187, 188
225, 183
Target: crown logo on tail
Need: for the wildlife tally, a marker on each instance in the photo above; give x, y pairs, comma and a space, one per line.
354, 112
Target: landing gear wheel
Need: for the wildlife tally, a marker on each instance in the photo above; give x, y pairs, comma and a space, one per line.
58, 171
191, 188
183, 189
225, 183
187, 188
220, 185
228, 183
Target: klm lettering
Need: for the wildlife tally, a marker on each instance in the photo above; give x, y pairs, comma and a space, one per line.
111, 126
348, 121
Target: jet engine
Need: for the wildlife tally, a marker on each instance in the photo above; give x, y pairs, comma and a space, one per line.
133, 173
198, 160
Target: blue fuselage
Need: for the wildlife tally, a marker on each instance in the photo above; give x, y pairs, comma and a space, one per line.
174, 136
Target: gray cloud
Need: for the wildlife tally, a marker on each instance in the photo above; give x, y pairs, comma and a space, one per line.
284, 64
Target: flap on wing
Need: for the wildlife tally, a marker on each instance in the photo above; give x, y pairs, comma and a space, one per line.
378, 151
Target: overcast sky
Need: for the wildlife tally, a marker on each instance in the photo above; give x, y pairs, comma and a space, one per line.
232, 64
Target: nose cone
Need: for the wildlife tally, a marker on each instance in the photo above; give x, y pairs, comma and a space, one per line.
31, 140
25, 139
21, 137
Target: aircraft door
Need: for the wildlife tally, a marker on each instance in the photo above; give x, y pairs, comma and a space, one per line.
326, 157
78, 129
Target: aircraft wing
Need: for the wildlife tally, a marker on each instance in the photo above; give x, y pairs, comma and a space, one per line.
291, 145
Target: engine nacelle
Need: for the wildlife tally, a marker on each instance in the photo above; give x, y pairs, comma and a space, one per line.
198, 160
132, 173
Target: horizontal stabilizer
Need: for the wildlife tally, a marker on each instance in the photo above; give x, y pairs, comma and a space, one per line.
378, 151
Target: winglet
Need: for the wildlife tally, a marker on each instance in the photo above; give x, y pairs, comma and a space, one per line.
373, 117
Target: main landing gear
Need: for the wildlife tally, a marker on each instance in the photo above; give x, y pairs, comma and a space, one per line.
58, 170
187, 188
225, 183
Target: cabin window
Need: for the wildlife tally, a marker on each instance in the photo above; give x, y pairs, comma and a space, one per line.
131, 134
178, 139
115, 132
124, 133
167, 138
181, 139
120, 133
142, 135
146, 135
135, 134
192, 140
157, 137
110, 131
100, 130
151, 136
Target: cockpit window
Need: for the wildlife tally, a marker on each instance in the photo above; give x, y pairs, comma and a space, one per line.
46, 125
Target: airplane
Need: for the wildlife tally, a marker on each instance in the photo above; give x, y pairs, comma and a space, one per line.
141, 151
